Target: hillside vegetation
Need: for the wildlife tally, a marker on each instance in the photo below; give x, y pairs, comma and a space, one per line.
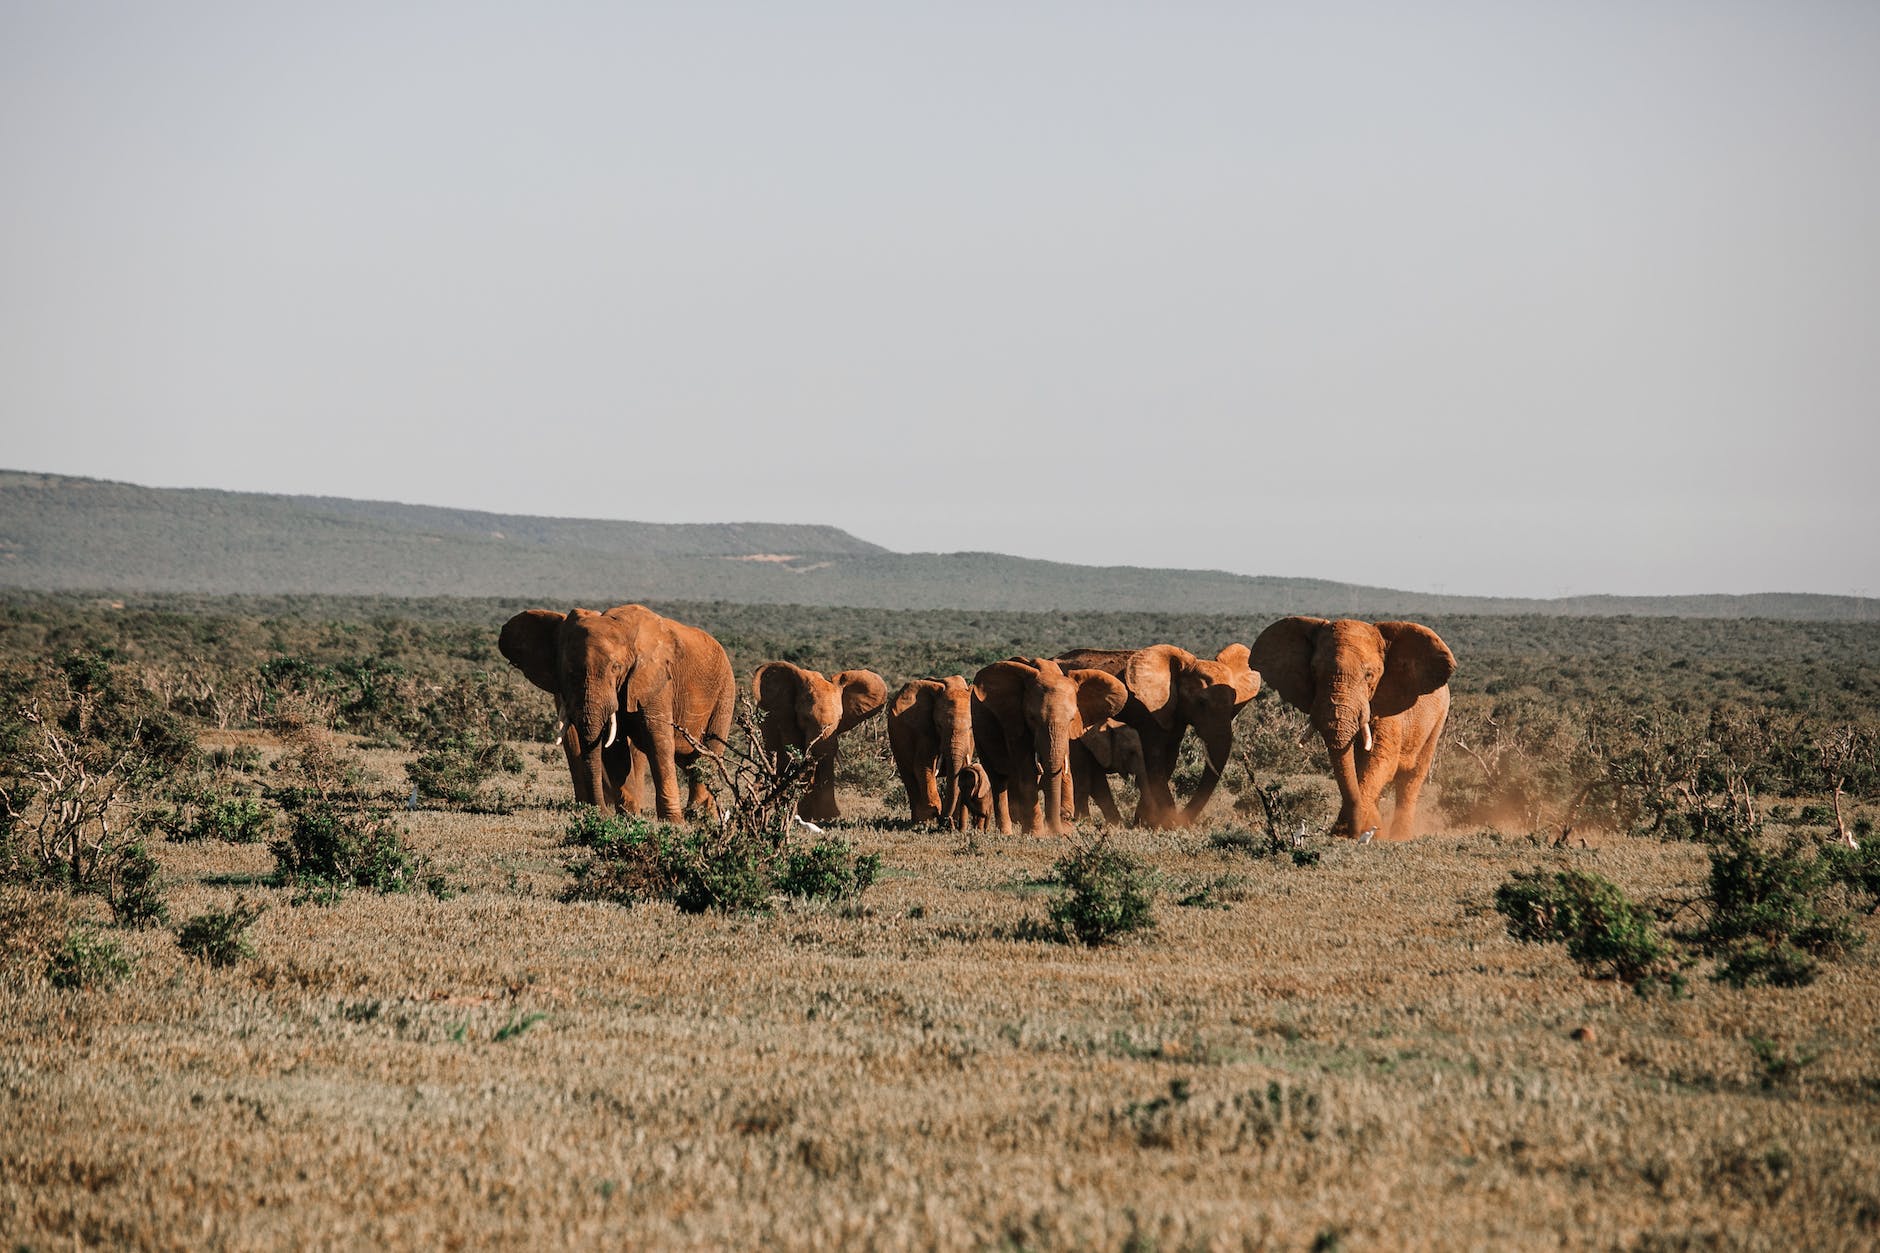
70, 534
345, 966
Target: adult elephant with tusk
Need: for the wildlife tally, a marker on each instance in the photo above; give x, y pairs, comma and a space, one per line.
629, 687
1378, 696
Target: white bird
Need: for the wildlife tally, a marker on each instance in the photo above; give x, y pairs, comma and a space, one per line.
1366, 837
1299, 836
797, 821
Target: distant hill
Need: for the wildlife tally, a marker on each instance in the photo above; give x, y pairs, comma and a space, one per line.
59, 533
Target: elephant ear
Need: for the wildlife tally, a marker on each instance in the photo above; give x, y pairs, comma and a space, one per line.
914, 701
1100, 697
863, 694
1153, 674
1100, 743
1283, 657
1241, 676
1416, 663
1000, 689
777, 685
531, 642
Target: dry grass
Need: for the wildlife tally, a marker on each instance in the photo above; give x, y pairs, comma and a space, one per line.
1353, 1053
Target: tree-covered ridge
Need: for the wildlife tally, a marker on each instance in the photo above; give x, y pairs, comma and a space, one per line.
69, 534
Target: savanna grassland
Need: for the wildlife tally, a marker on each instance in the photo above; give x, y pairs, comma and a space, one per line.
1331, 1046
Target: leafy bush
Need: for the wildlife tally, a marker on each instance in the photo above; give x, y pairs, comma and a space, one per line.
213, 813
1770, 916
1606, 933
1856, 869
828, 869
86, 959
329, 847
455, 768
699, 869
136, 891
637, 860
219, 936
1110, 894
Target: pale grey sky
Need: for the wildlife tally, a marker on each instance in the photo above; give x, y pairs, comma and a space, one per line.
1497, 298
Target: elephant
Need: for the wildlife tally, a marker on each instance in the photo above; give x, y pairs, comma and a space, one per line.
1170, 690
1026, 712
808, 713
636, 693
930, 729
1113, 748
1378, 695
977, 805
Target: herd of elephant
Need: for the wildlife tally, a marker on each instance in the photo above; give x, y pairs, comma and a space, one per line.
1034, 739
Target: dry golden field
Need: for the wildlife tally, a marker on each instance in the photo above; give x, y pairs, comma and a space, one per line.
1351, 1055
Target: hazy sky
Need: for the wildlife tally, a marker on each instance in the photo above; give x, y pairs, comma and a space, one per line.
1501, 298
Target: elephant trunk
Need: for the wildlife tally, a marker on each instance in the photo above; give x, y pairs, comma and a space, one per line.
1054, 750
955, 732
1343, 719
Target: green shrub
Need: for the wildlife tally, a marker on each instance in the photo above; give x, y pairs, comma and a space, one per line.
1606, 933
1856, 869
638, 860
1770, 912
86, 959
136, 890
329, 847
828, 869
212, 813
454, 769
219, 936
1110, 894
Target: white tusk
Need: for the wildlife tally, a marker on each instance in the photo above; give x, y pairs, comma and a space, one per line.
613, 725
1367, 735
560, 726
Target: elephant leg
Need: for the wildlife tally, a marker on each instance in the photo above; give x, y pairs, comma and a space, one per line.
1156, 809
699, 803
1358, 811
1217, 743
580, 770
923, 790
818, 804
664, 768
1100, 793
1001, 805
1411, 776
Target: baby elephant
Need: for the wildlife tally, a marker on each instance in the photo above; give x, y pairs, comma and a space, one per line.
975, 806
1112, 748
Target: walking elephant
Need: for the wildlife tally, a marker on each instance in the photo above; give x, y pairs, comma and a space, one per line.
628, 683
1378, 695
1171, 690
930, 733
977, 805
1026, 712
1113, 748
806, 712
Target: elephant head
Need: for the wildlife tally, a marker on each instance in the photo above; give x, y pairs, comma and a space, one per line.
622, 670
1115, 748
1349, 676
930, 729
1178, 690
807, 712
1026, 712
